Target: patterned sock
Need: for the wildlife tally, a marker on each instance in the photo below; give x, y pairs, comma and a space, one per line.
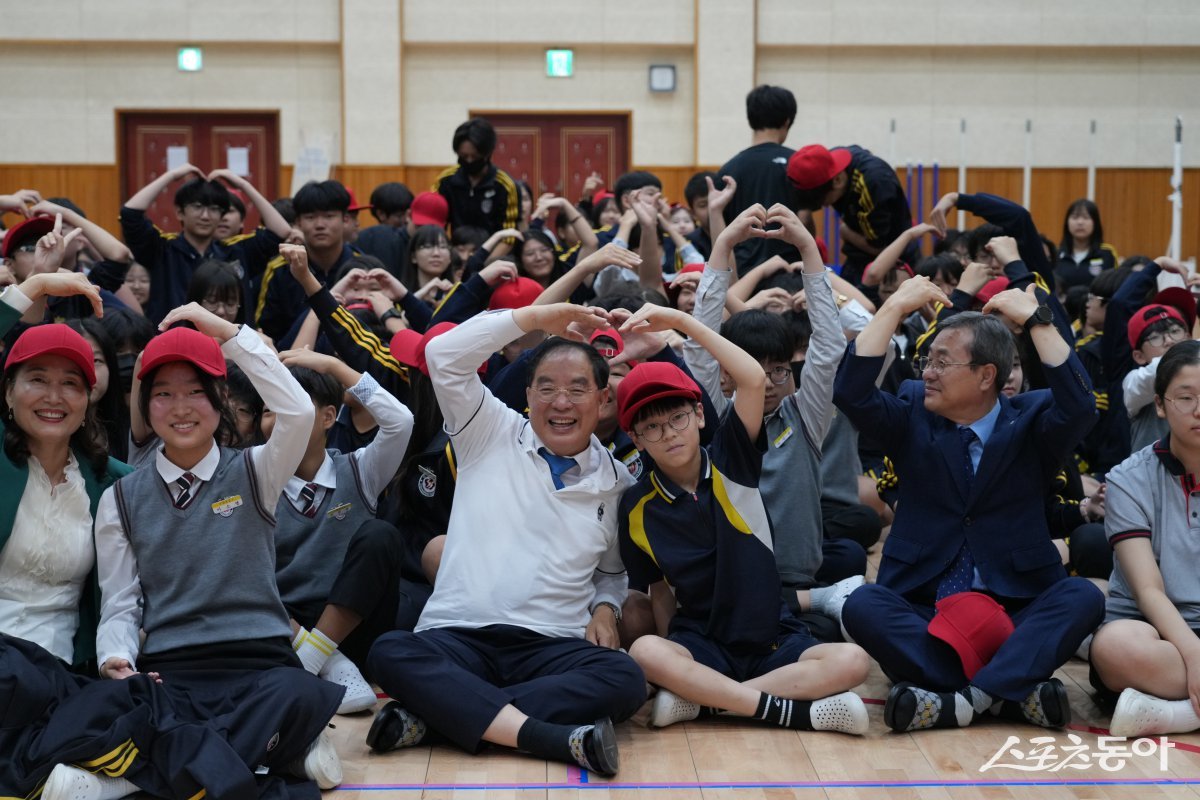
917, 709
980, 700
313, 648
784, 713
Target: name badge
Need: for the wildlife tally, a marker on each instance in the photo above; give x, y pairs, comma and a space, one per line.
225, 506
784, 435
339, 512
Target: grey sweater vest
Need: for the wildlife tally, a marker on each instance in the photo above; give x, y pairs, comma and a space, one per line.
791, 490
309, 550
207, 571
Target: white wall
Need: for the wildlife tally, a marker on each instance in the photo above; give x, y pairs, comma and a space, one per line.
394, 77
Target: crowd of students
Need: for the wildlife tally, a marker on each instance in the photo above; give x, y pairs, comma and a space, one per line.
520, 461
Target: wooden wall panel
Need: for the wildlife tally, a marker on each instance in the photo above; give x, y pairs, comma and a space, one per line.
1136, 214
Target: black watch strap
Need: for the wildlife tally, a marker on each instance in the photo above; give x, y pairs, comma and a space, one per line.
1043, 316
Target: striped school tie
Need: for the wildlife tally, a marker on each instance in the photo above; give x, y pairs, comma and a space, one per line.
309, 495
185, 482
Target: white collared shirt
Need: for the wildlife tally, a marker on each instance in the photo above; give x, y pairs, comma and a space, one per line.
46, 560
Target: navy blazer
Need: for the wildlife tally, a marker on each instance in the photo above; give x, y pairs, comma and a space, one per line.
1003, 516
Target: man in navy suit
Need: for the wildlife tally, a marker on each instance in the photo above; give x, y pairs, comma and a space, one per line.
972, 610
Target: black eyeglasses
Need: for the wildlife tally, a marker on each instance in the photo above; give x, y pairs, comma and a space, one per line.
778, 375
654, 431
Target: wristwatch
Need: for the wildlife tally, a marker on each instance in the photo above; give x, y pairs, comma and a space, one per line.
1043, 316
391, 313
616, 611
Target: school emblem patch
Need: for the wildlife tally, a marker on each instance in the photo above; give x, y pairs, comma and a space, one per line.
339, 512
225, 506
427, 483
633, 462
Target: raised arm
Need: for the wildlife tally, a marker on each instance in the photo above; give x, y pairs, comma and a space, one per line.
108, 246
142, 199
272, 220
890, 255
560, 291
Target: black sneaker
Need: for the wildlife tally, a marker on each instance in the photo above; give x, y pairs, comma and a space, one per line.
900, 707
395, 727
600, 749
1056, 706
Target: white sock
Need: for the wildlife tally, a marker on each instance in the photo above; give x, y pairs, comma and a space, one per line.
1183, 717
314, 649
818, 597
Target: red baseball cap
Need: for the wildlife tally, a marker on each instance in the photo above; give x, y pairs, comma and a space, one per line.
607, 333
812, 165
408, 346
184, 344
354, 206
515, 294
54, 340
430, 208
33, 228
650, 381
973, 624
1146, 316
1182, 300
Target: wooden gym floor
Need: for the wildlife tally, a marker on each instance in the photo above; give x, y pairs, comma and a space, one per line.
736, 760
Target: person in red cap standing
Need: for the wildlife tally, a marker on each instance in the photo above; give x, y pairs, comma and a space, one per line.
186, 560
696, 531
864, 190
974, 467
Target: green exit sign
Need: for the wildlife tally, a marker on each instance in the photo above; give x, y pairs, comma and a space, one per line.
560, 63
191, 59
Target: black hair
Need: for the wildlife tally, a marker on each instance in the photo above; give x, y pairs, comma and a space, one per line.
110, 407
1105, 284
697, 186
523, 187
1159, 326
812, 199
945, 264
370, 320
947, 243
323, 389
600, 206
632, 181
390, 198
1087, 207
765, 336
479, 132
663, 405
214, 389
790, 282
468, 234
129, 331
629, 302
1075, 302
204, 192
978, 238
90, 441
991, 342
286, 209
315, 197
801, 327
240, 389
1135, 261
598, 363
221, 280
1180, 355
236, 204
770, 107
67, 204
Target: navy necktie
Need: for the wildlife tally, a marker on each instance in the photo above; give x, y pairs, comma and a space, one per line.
185, 483
309, 495
961, 574
558, 465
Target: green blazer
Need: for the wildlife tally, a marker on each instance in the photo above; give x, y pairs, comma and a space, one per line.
13, 478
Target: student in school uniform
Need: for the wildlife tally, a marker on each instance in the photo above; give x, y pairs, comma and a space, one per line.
798, 412
186, 560
170, 258
515, 646
1148, 648
477, 192
726, 639
324, 505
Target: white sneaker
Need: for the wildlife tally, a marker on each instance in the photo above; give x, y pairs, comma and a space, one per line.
838, 592
71, 783
842, 712
670, 708
1138, 714
321, 763
359, 694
